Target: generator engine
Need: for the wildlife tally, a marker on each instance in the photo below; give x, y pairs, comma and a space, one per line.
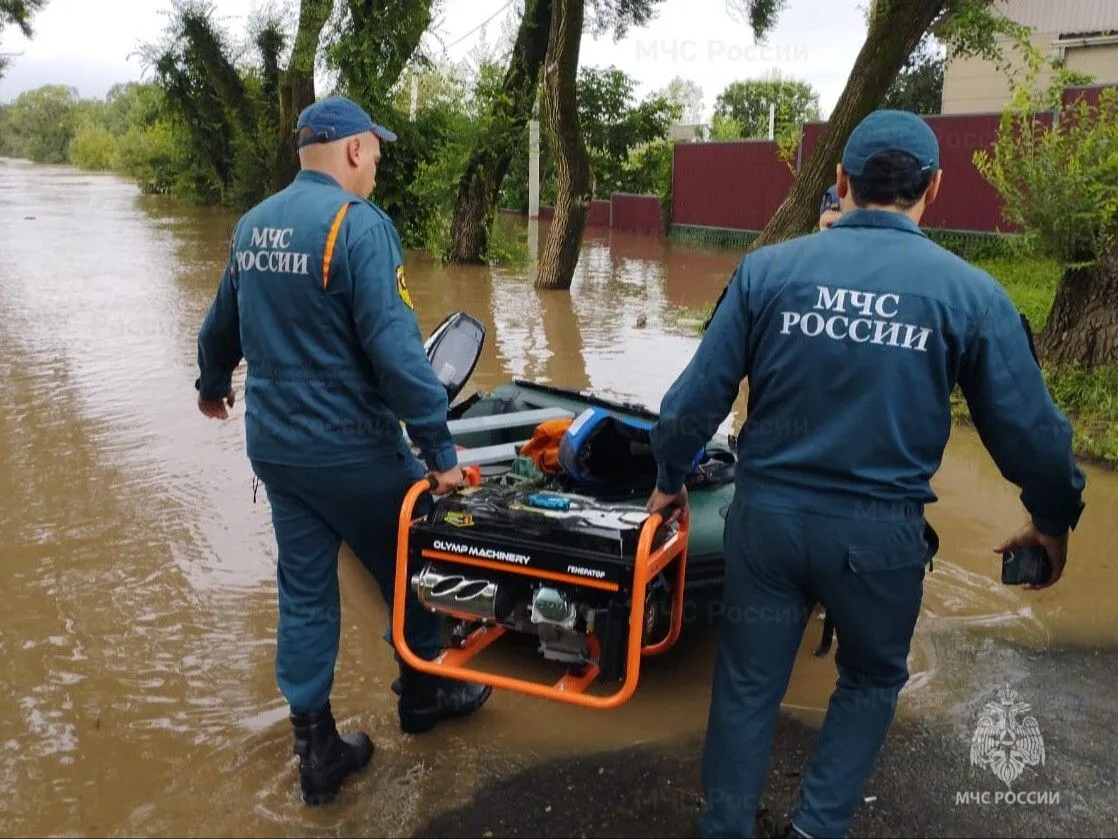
557, 566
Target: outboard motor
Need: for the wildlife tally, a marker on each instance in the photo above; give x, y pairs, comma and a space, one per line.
454, 349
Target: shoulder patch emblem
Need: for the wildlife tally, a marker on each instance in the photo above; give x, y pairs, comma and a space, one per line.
402, 287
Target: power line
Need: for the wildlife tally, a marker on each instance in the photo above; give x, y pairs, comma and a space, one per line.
480, 25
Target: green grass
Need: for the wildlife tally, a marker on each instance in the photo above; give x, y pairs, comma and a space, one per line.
1089, 398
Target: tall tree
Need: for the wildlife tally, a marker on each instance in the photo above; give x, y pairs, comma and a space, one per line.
688, 96
42, 123
615, 125
476, 203
371, 44
895, 29
747, 103
559, 256
241, 121
296, 86
225, 117
572, 162
1059, 184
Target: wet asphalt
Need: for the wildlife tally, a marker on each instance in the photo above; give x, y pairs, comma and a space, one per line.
654, 790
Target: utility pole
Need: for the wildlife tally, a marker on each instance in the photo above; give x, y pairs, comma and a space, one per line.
772, 120
534, 182
534, 169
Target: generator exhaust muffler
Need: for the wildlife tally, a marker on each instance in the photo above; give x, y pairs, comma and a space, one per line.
461, 596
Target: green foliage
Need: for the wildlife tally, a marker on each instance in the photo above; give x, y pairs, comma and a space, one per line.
418, 180
613, 126
93, 147
370, 44
223, 111
648, 168
724, 128
1059, 182
131, 132
41, 124
620, 135
688, 96
715, 237
747, 103
619, 16
974, 28
919, 85
788, 147
761, 14
506, 244
20, 12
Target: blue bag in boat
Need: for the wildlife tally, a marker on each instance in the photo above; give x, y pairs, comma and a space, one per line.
602, 452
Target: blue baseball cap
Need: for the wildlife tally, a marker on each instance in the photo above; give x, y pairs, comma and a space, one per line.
886, 131
335, 118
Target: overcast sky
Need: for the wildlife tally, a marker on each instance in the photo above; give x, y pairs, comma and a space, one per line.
75, 43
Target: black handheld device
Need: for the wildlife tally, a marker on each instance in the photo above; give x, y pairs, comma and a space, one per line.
1026, 566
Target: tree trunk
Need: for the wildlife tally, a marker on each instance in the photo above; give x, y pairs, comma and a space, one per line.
1082, 327
572, 163
896, 29
296, 92
477, 193
378, 40
297, 88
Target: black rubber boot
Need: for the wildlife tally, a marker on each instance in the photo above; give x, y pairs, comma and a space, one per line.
326, 758
426, 700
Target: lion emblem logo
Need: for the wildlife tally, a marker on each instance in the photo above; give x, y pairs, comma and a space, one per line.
1007, 738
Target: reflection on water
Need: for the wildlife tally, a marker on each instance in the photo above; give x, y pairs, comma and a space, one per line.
138, 575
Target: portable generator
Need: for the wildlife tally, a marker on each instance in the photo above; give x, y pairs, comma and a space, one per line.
590, 580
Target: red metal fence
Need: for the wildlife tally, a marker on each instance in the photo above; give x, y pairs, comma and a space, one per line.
599, 215
967, 201
637, 213
735, 185
745, 182
739, 185
1089, 93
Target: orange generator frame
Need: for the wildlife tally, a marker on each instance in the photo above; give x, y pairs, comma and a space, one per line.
572, 689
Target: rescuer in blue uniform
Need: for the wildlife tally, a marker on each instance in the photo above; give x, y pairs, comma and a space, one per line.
830, 208
313, 297
852, 341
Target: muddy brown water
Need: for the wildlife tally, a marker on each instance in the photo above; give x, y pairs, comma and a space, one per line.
137, 581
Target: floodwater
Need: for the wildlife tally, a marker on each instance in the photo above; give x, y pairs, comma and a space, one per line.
137, 582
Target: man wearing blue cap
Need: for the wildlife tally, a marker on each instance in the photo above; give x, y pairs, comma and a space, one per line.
313, 298
852, 343
830, 208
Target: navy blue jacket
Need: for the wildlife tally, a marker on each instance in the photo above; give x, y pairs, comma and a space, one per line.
852, 340
313, 298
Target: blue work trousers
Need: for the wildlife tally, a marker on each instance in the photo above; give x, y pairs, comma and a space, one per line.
313, 511
868, 572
